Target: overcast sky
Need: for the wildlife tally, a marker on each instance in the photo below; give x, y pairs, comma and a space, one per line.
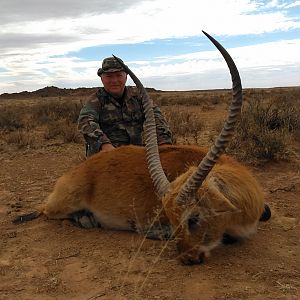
63, 42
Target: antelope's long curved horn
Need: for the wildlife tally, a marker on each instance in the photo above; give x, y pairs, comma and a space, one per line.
207, 163
160, 181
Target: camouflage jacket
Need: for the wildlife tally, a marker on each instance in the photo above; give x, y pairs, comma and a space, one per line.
104, 120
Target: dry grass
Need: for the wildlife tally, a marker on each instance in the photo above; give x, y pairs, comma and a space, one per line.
11, 118
32, 124
266, 131
191, 98
62, 128
185, 123
21, 138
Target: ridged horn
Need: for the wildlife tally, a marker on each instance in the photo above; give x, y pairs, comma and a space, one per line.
160, 181
195, 181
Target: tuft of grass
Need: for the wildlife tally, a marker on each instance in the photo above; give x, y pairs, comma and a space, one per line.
53, 129
21, 138
28, 125
265, 131
11, 118
64, 129
55, 110
184, 122
70, 134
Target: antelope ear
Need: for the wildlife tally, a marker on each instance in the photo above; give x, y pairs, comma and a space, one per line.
220, 204
222, 207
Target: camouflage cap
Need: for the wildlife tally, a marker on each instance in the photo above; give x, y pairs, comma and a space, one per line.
110, 64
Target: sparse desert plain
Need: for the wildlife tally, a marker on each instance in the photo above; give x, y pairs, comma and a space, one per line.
52, 259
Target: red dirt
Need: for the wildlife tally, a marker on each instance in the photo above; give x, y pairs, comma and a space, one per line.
46, 259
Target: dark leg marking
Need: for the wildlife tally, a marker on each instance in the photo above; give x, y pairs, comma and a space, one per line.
84, 219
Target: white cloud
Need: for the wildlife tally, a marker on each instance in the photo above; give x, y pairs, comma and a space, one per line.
295, 4
28, 10
149, 20
274, 4
267, 58
36, 36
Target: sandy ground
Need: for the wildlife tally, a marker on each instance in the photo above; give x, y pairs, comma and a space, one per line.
47, 259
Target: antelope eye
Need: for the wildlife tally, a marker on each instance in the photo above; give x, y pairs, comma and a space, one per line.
193, 222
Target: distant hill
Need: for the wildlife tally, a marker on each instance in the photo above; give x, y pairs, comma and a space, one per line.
49, 91
53, 91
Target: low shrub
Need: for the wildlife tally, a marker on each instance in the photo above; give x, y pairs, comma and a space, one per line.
11, 118
265, 131
184, 123
55, 110
64, 129
21, 138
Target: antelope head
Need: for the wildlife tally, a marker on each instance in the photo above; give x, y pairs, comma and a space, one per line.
191, 201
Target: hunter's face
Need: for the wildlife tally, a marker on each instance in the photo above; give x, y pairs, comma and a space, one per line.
114, 82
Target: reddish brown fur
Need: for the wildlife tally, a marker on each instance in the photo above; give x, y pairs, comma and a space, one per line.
129, 191
230, 201
116, 187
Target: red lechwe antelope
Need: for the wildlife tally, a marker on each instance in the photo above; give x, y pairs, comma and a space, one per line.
187, 192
